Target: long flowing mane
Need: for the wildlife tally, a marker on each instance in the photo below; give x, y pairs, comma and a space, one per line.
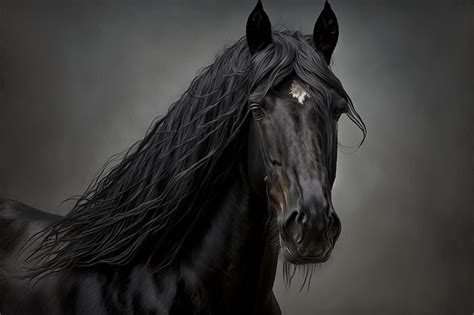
155, 195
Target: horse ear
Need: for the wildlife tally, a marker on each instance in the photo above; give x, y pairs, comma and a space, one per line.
326, 32
259, 29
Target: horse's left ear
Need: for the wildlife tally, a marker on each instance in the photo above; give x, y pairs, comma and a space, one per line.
326, 32
259, 29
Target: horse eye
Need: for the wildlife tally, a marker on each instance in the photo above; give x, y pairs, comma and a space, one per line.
257, 111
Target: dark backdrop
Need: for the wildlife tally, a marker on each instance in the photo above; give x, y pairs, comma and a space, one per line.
81, 80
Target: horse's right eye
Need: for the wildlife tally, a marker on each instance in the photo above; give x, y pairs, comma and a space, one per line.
257, 111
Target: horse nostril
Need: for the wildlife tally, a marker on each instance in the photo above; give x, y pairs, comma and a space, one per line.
294, 226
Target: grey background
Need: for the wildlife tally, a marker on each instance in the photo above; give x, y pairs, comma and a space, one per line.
82, 80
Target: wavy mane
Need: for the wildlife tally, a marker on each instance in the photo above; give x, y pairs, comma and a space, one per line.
155, 195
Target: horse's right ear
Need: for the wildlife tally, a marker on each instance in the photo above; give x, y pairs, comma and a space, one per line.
259, 29
326, 32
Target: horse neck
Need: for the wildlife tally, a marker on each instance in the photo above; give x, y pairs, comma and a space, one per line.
227, 266
231, 256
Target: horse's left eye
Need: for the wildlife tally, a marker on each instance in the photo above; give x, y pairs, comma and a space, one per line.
257, 111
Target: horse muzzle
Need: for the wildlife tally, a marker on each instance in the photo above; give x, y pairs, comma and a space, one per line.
308, 237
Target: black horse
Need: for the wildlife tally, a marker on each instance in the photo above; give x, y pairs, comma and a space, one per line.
192, 219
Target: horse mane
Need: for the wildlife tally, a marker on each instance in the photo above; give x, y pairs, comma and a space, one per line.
158, 189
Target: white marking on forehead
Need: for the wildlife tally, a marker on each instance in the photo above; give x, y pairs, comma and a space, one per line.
298, 92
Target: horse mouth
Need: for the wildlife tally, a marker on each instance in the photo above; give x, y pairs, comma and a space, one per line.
298, 257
